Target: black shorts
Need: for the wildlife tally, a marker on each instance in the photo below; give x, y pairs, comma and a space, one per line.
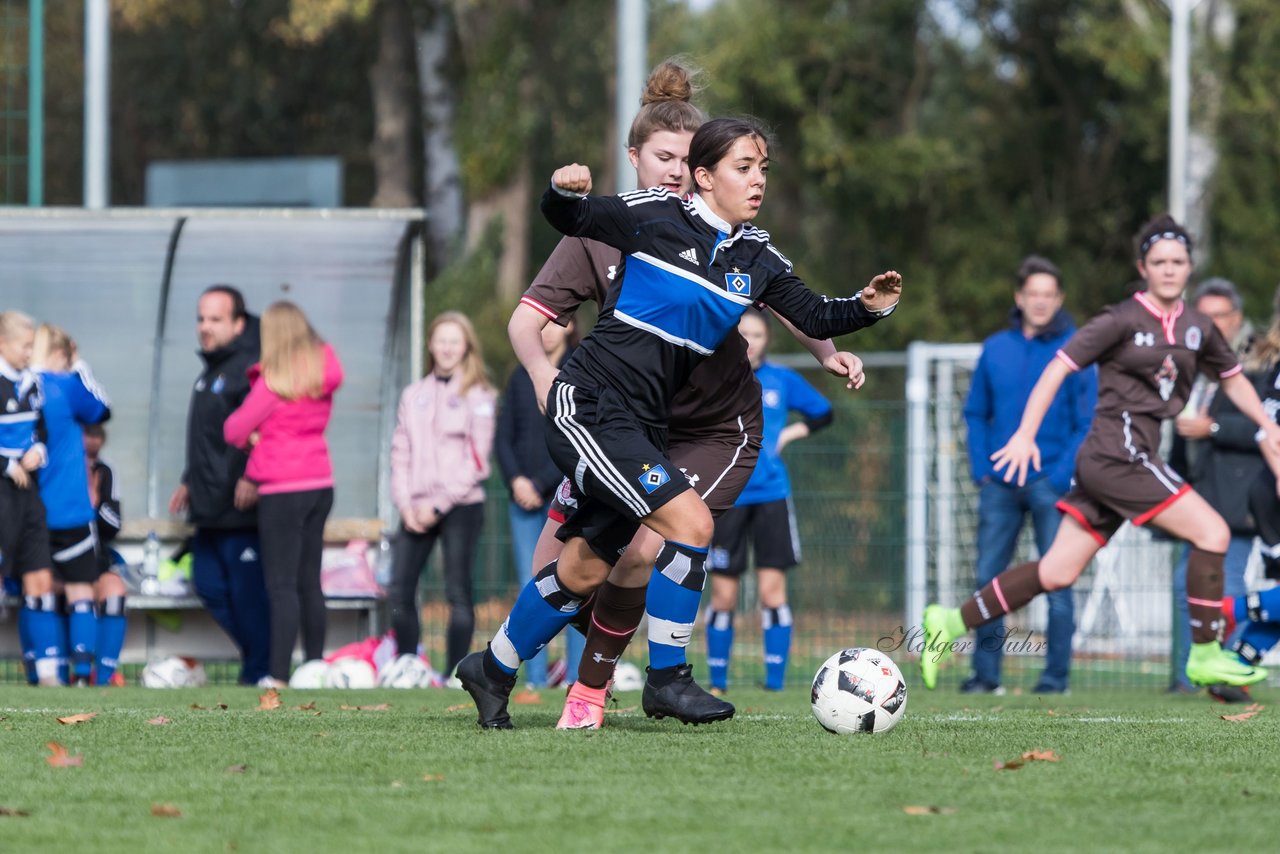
24, 539
771, 528
75, 555
620, 466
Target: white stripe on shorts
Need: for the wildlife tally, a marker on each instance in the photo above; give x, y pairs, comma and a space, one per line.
733, 462
597, 461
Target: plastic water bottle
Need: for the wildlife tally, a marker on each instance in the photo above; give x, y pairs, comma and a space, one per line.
382, 569
151, 565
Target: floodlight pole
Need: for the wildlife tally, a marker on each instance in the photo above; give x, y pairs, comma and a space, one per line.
35, 104
632, 46
97, 103
1179, 103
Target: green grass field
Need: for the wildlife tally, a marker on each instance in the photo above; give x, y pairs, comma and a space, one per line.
1137, 771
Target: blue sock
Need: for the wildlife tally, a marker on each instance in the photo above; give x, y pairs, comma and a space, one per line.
719, 646
110, 640
777, 644
28, 648
541, 612
82, 630
1254, 640
46, 629
671, 602
1261, 607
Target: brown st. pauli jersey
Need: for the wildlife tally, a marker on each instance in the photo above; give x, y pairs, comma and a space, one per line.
1147, 360
720, 391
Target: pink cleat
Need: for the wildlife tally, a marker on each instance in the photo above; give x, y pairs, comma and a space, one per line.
583, 708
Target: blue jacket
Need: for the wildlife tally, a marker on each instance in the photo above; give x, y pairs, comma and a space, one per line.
1008, 369
783, 391
70, 400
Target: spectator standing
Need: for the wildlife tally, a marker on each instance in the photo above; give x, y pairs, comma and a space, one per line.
531, 476
1215, 450
283, 420
109, 589
225, 566
72, 399
439, 462
24, 537
1011, 363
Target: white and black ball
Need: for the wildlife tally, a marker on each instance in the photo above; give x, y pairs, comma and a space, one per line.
859, 690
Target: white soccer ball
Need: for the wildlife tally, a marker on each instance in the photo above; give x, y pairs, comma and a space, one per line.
627, 677
310, 674
351, 673
173, 672
406, 671
859, 690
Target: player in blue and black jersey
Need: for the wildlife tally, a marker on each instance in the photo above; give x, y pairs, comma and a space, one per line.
24, 539
763, 515
690, 269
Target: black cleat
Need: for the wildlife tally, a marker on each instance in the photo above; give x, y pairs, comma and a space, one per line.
1230, 693
490, 695
672, 693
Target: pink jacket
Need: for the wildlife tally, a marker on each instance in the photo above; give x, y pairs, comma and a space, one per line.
291, 454
440, 449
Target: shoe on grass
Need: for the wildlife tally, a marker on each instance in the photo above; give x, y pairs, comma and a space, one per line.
1230, 694
490, 694
670, 692
1209, 664
583, 708
974, 685
937, 641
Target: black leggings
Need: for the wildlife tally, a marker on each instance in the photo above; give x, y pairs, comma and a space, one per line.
459, 531
291, 533
1265, 507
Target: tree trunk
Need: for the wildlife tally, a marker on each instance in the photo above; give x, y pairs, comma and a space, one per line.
509, 204
389, 83
441, 172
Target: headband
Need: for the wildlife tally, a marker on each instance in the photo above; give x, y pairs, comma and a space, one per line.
1163, 235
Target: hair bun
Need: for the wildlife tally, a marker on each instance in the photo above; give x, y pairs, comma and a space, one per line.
669, 81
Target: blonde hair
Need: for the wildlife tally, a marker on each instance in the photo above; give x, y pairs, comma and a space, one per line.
51, 339
667, 103
12, 322
472, 366
292, 358
1265, 351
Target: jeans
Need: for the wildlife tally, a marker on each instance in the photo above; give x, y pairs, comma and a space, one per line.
526, 527
1002, 508
226, 571
1233, 568
291, 529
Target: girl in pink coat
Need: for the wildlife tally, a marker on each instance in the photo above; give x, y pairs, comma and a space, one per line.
439, 462
283, 420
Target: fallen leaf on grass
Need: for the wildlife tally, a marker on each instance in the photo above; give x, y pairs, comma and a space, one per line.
1051, 713
528, 698
165, 811
160, 721
460, 707
306, 707
270, 700
221, 706
59, 757
432, 778
237, 769
381, 707
13, 813
1027, 756
1011, 765
1246, 714
396, 784
916, 810
620, 711
78, 719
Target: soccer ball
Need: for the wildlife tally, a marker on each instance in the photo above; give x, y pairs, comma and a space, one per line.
174, 672
626, 677
310, 674
406, 671
859, 690
350, 673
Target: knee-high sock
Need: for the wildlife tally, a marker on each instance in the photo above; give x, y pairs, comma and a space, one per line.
719, 646
543, 608
111, 629
1204, 594
28, 647
82, 632
1262, 606
1255, 641
616, 615
45, 627
777, 644
675, 591
1007, 592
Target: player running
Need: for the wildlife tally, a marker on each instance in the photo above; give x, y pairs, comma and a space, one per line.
1148, 350
690, 269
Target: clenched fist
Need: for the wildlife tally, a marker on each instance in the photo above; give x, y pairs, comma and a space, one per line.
574, 178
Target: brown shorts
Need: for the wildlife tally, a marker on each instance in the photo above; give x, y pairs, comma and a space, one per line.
1107, 491
716, 465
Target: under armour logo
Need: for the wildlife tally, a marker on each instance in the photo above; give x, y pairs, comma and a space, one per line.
600, 659
613, 271
692, 478
1144, 339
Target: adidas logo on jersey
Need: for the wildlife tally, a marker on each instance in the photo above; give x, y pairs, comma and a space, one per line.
690, 255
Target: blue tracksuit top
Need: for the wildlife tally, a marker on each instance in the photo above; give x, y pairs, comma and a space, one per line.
1008, 369
783, 391
70, 400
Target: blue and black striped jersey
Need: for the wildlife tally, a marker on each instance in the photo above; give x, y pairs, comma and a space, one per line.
685, 280
20, 425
